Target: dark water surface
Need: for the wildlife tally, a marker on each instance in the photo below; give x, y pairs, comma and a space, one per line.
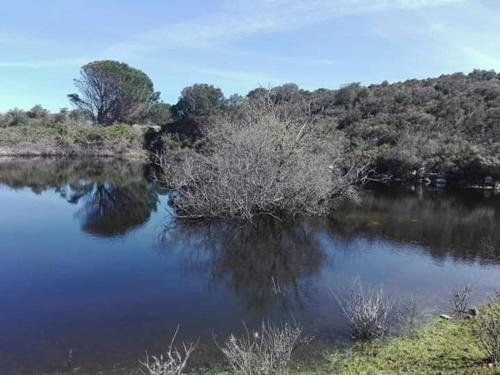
90, 261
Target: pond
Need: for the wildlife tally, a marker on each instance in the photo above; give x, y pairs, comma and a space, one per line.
92, 262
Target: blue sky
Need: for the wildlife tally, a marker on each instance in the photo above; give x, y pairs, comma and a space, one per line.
238, 45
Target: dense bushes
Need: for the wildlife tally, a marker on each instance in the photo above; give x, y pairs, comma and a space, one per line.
40, 116
448, 125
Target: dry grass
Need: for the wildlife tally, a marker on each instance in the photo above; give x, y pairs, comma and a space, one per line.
61, 139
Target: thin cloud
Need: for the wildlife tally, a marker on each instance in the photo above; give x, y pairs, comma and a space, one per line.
456, 39
251, 54
241, 76
240, 19
44, 64
18, 41
218, 73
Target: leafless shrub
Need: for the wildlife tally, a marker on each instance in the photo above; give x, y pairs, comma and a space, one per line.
173, 362
266, 352
260, 161
371, 314
460, 300
487, 329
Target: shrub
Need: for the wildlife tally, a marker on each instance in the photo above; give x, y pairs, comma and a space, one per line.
38, 112
371, 314
460, 300
15, 117
259, 162
267, 352
63, 139
173, 362
487, 331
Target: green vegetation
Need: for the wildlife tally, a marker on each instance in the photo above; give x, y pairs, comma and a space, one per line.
110, 92
444, 347
199, 101
39, 116
460, 346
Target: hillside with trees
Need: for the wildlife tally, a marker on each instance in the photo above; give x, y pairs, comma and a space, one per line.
415, 130
447, 126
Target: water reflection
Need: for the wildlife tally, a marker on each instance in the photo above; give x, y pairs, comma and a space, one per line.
277, 264
111, 210
114, 197
462, 225
269, 264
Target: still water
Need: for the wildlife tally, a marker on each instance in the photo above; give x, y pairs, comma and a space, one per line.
91, 261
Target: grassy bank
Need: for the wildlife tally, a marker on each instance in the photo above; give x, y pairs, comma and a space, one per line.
67, 140
442, 347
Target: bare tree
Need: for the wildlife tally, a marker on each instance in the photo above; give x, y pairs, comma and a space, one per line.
260, 160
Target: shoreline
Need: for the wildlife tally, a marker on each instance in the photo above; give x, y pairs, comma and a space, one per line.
42, 151
36, 151
444, 346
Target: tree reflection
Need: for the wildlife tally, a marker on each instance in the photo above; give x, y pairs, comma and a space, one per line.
271, 264
115, 196
463, 225
111, 210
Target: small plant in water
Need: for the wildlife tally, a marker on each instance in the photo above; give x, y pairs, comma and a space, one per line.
173, 362
371, 314
265, 352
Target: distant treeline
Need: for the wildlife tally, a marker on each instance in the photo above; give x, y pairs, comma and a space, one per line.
447, 126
